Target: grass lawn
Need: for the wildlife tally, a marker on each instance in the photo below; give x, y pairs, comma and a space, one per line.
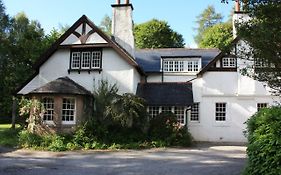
8, 137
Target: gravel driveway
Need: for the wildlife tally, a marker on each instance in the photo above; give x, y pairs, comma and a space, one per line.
200, 160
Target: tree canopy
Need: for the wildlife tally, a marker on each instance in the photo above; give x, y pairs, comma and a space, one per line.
105, 24
157, 34
218, 36
208, 18
262, 33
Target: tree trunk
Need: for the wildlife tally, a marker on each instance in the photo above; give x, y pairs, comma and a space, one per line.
14, 112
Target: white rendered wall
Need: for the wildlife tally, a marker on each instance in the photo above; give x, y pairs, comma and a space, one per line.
114, 69
216, 87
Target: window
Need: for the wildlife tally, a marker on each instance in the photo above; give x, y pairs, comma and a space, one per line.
220, 111
194, 115
48, 104
86, 60
178, 66
229, 62
75, 61
96, 59
68, 111
166, 109
153, 111
179, 112
261, 105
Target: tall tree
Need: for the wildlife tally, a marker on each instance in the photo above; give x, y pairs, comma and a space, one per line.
105, 24
262, 33
208, 18
157, 34
218, 36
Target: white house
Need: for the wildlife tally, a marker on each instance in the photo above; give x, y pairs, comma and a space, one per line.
203, 87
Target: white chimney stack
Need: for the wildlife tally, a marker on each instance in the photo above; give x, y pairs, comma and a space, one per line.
122, 25
238, 17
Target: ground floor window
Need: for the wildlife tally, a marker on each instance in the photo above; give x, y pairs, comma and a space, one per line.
153, 111
179, 111
194, 114
261, 105
48, 104
220, 111
68, 111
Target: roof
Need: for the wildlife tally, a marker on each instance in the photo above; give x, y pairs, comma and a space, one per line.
166, 94
150, 59
63, 85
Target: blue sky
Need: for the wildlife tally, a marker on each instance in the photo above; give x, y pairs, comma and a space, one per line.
180, 14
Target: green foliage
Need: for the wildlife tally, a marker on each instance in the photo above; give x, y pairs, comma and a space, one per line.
28, 139
262, 33
264, 147
165, 127
217, 36
157, 34
8, 136
105, 25
205, 20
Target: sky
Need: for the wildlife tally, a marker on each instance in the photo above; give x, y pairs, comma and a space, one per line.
180, 14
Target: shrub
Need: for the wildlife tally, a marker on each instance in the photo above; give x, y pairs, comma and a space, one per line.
264, 142
28, 139
165, 127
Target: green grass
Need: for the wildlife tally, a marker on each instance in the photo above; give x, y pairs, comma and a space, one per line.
8, 137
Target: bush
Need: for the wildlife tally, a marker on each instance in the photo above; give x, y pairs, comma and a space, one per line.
264, 142
165, 127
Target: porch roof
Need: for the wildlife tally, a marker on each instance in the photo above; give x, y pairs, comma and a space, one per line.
63, 85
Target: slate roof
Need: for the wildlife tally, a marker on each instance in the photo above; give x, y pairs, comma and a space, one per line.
166, 94
150, 59
63, 85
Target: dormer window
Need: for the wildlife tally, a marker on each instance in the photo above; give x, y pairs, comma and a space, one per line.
181, 65
85, 60
229, 62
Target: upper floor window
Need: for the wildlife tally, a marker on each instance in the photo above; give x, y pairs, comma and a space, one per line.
181, 65
229, 62
86, 60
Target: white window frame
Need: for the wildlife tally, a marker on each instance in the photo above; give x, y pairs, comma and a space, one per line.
96, 59
49, 111
75, 60
261, 106
229, 62
153, 111
220, 111
179, 66
68, 122
179, 111
194, 113
86, 60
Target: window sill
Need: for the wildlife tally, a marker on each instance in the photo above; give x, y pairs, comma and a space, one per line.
68, 123
85, 70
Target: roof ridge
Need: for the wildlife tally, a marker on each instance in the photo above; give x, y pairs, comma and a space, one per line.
156, 49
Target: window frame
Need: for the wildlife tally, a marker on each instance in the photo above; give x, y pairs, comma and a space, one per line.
48, 110
220, 115
179, 112
69, 122
181, 65
91, 52
261, 106
195, 112
231, 62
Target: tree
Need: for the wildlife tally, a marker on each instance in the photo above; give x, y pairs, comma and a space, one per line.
262, 36
218, 36
106, 24
157, 34
206, 19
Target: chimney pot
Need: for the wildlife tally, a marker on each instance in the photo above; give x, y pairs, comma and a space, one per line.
127, 1
237, 5
117, 2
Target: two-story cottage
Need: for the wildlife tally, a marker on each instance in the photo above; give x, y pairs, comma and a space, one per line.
203, 87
